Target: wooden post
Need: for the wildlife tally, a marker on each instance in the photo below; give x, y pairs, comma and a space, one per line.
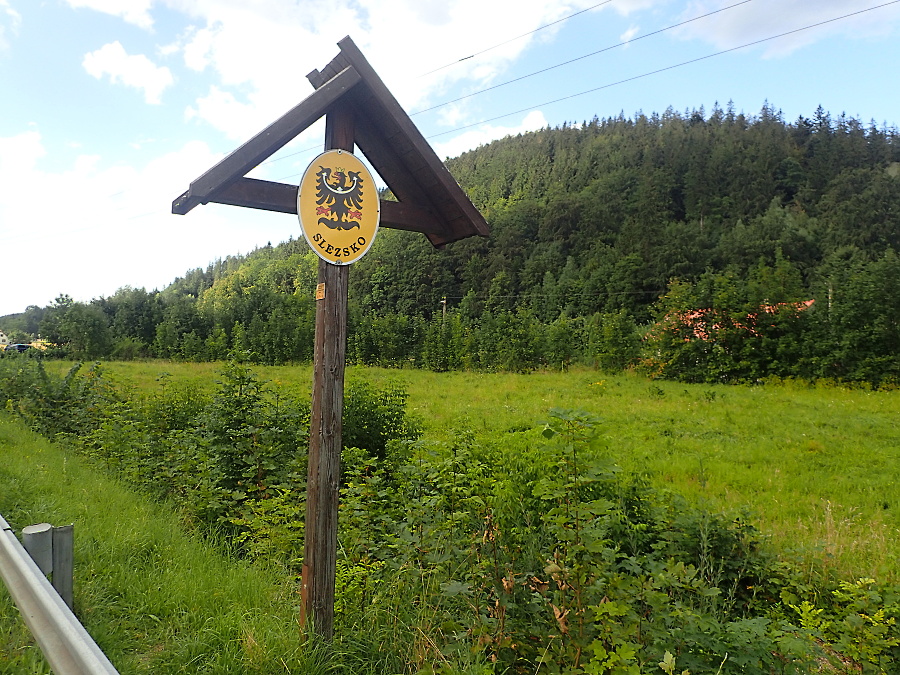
430, 201
324, 473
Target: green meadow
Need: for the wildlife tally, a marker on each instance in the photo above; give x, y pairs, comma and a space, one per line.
443, 542
817, 468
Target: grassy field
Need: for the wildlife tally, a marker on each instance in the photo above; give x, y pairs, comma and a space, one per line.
155, 599
816, 467
813, 467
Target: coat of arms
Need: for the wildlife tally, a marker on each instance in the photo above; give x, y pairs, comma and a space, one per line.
339, 197
338, 206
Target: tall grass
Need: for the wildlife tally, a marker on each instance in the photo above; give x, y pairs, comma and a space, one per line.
160, 594
155, 598
816, 466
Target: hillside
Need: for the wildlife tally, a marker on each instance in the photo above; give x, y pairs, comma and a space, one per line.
665, 241
601, 216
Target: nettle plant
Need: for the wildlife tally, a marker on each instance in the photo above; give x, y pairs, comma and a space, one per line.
540, 553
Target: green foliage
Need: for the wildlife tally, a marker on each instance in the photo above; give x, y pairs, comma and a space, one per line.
373, 417
721, 330
158, 599
613, 341
861, 622
573, 566
235, 460
590, 225
530, 551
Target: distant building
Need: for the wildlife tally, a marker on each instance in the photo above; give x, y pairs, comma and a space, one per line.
3, 339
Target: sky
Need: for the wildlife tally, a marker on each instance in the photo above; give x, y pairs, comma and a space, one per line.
110, 108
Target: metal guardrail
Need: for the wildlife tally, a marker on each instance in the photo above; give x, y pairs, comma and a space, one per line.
66, 645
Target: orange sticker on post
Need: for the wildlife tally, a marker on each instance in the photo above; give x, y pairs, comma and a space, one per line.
320, 291
338, 206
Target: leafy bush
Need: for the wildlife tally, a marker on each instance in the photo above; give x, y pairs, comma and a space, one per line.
216, 456
373, 417
544, 556
533, 552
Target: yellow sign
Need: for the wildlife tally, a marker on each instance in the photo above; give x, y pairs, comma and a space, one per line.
338, 207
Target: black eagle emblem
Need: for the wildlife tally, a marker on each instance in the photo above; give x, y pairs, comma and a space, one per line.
339, 198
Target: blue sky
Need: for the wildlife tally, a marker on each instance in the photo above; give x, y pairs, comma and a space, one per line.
109, 108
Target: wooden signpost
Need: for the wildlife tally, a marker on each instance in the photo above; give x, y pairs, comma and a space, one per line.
359, 112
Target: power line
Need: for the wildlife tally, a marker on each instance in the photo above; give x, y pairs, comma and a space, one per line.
506, 42
292, 154
579, 58
630, 79
570, 96
662, 70
465, 58
538, 72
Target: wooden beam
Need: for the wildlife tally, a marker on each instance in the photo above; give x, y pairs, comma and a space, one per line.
400, 216
265, 143
259, 194
282, 198
399, 118
430, 200
400, 154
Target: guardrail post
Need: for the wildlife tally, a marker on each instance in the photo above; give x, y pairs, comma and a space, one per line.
38, 541
66, 645
64, 563
52, 549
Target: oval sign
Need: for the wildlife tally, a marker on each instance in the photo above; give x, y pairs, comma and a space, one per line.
338, 207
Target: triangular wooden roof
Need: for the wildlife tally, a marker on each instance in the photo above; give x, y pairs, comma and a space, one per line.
430, 199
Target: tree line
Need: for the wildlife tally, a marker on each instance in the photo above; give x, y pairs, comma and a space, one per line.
705, 247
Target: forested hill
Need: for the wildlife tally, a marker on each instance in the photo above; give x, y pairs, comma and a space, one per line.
602, 216
655, 240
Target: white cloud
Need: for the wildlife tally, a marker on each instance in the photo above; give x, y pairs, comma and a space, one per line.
629, 34
198, 47
136, 12
453, 114
261, 51
224, 112
110, 225
626, 7
258, 55
10, 20
470, 28
131, 70
19, 154
759, 20
485, 133
141, 142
